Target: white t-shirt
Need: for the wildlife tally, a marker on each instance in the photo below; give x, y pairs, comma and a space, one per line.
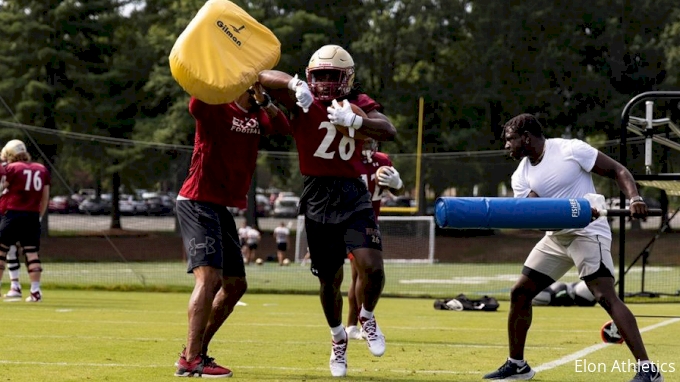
252, 236
243, 232
564, 172
281, 234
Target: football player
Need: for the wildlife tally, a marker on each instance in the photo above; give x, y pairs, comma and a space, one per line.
563, 168
25, 203
339, 217
222, 166
12, 255
388, 179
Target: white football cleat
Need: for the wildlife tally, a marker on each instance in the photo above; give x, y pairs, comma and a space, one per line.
338, 361
374, 337
34, 297
14, 293
353, 333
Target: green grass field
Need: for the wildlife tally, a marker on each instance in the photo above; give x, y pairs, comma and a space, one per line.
77, 335
410, 280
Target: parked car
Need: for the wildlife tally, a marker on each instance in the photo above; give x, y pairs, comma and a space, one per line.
129, 205
262, 209
286, 207
284, 194
62, 205
158, 204
95, 206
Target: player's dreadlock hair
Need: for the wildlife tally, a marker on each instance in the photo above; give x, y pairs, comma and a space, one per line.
524, 123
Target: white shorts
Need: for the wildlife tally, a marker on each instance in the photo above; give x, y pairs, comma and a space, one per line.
554, 255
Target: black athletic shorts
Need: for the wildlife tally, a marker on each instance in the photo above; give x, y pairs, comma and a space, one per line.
333, 200
282, 246
252, 246
210, 237
22, 227
329, 244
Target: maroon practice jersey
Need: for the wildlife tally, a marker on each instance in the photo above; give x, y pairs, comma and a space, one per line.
225, 151
377, 160
324, 151
2, 187
26, 182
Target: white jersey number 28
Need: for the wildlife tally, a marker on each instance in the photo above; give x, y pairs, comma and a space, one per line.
346, 146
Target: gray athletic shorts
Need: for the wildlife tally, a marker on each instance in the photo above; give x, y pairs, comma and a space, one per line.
554, 255
210, 237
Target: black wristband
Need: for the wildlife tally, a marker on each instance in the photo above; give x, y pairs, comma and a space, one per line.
267, 101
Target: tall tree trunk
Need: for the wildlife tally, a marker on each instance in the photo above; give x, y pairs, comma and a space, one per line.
115, 200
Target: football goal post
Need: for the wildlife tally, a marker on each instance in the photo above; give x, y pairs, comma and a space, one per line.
406, 239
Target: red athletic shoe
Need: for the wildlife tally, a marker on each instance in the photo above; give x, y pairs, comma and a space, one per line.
201, 367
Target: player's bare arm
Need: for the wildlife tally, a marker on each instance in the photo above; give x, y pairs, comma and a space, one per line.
378, 127
277, 82
44, 201
532, 194
608, 167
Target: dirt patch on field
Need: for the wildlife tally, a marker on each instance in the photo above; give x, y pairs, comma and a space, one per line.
512, 246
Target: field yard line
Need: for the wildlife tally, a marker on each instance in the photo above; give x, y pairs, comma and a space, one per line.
584, 352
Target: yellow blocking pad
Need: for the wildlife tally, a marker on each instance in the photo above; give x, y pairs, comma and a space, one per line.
220, 53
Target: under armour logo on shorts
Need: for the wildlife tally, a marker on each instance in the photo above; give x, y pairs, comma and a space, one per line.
207, 246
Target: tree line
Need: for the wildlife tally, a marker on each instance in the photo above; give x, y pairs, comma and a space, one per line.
101, 67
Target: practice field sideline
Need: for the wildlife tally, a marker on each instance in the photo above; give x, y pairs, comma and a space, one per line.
416, 280
136, 336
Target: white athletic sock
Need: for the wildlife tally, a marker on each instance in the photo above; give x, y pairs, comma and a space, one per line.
35, 286
14, 275
365, 313
15, 283
12, 260
518, 362
338, 333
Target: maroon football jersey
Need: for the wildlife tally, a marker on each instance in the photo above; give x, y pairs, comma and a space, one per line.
225, 151
324, 151
377, 160
26, 182
2, 186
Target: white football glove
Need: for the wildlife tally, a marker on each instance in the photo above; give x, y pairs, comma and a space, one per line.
390, 178
344, 116
302, 93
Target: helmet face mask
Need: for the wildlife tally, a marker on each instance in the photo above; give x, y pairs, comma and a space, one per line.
330, 73
369, 148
